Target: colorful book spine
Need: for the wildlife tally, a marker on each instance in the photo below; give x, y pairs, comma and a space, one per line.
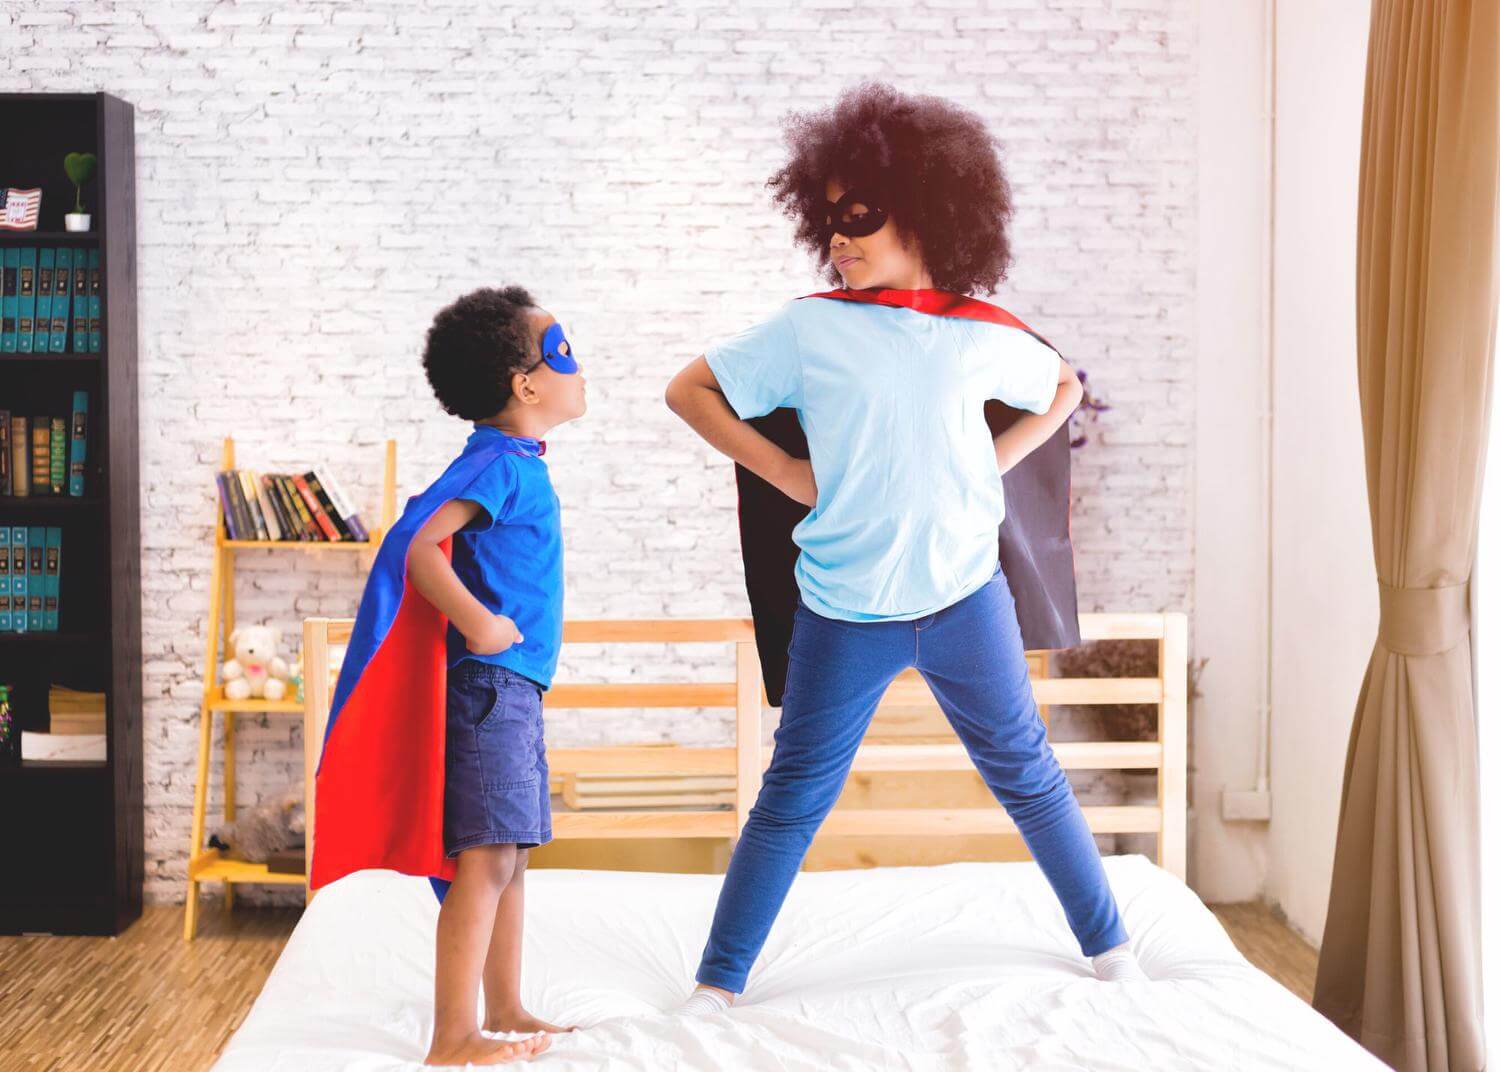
345, 504
315, 508
59, 455
18, 587
226, 506
26, 300
41, 338
80, 301
6, 483
96, 326
36, 552
326, 502
62, 289
263, 502
5, 622
252, 505
10, 266
51, 579
268, 495
310, 528
20, 457
41, 455
78, 451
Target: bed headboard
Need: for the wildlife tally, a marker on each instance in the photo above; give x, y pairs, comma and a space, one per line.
746, 760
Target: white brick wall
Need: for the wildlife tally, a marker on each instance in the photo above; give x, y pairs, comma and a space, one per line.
316, 179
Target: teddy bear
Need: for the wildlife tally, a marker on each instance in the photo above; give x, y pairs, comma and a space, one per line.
255, 670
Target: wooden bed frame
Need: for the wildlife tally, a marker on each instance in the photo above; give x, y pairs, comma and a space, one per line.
747, 759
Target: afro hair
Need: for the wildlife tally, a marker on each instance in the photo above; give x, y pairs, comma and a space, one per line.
934, 165
474, 347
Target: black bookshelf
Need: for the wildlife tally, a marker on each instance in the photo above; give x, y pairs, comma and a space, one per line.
72, 851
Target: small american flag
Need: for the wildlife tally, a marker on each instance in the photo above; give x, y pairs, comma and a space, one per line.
19, 209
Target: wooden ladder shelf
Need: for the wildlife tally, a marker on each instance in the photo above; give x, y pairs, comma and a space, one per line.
205, 864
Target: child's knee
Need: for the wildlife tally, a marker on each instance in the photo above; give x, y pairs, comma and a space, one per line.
491, 864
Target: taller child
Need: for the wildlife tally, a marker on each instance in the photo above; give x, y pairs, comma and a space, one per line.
904, 202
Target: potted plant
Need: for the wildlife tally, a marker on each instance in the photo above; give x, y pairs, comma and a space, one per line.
80, 168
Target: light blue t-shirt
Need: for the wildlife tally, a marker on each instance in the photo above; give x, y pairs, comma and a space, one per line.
892, 402
510, 556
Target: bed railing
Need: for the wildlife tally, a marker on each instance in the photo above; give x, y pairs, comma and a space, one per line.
746, 760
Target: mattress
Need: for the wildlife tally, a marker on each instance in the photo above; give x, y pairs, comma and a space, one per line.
963, 966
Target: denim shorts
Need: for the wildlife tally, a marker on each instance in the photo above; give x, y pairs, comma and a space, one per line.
496, 763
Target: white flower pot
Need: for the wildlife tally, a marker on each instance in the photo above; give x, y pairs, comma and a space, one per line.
77, 221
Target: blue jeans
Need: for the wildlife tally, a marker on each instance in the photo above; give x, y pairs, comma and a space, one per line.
971, 656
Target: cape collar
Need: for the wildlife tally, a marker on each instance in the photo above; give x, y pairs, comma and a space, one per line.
526, 445
932, 302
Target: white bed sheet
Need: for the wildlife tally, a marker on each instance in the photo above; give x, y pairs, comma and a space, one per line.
964, 966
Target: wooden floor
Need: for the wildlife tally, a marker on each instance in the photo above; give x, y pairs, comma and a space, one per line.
148, 1000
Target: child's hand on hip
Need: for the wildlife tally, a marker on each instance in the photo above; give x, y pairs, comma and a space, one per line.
796, 481
493, 636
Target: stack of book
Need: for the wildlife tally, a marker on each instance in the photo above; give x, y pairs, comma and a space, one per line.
275, 506
30, 578
46, 295
45, 455
74, 713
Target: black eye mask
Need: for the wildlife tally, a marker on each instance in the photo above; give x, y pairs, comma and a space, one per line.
839, 216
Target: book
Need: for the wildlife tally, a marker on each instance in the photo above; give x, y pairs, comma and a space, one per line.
51, 578
315, 509
80, 301
41, 339
267, 511
344, 503
36, 552
5, 481
310, 528
226, 506
326, 502
268, 493
26, 300
59, 444
40, 747
10, 265
62, 289
41, 455
96, 328
18, 584
20, 457
78, 447
252, 501
5, 626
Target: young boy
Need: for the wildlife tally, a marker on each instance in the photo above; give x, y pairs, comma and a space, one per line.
482, 548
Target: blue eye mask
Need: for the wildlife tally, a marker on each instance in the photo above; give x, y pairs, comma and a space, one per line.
557, 351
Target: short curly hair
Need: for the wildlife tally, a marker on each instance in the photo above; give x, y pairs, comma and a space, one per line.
935, 165
475, 345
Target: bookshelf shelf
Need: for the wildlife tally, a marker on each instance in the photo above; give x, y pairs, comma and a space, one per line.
51, 238
211, 866
75, 859
207, 865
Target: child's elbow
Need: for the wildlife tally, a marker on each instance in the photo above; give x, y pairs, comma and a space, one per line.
676, 394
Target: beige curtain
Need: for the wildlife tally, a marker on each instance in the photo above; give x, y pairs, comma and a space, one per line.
1399, 968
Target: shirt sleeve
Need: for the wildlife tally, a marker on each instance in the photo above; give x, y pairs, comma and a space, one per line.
494, 490
1020, 370
759, 369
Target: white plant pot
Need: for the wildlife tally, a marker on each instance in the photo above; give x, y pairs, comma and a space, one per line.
77, 221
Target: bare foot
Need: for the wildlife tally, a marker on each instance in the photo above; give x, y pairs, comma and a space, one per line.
521, 1022
478, 1050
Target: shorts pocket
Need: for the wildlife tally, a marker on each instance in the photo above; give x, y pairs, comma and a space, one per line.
506, 740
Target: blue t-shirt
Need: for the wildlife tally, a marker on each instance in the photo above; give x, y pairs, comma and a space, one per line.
892, 402
510, 555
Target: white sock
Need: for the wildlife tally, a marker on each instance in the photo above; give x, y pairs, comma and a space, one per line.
1118, 965
704, 1002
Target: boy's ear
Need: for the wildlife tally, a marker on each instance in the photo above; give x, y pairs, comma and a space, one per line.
523, 389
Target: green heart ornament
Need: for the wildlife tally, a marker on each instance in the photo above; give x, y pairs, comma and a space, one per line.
80, 168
